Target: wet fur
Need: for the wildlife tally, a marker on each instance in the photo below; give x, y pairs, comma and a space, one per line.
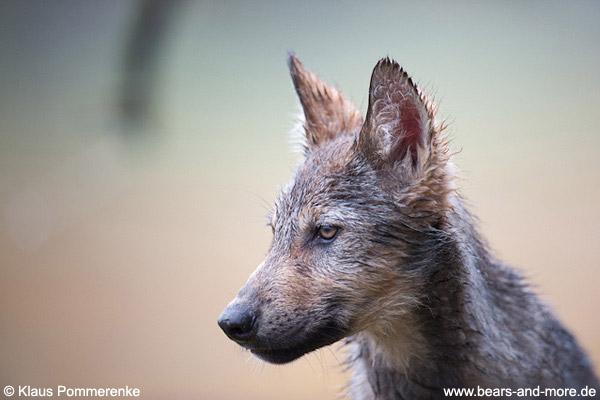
408, 281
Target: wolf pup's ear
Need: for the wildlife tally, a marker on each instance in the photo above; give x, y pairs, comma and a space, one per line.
327, 113
398, 128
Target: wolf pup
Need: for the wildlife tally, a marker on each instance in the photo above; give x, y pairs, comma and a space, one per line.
372, 244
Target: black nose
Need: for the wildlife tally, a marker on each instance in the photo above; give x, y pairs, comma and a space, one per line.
238, 323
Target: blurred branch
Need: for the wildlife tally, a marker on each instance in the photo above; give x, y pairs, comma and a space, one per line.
141, 58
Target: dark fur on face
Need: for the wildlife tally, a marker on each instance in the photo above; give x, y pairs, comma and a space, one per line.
371, 243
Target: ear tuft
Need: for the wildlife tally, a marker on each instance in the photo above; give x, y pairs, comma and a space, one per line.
399, 123
327, 113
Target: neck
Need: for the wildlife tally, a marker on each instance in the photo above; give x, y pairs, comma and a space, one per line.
429, 349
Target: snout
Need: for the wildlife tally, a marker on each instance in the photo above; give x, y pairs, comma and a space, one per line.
238, 322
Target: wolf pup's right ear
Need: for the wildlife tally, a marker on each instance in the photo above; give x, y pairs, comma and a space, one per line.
327, 113
399, 125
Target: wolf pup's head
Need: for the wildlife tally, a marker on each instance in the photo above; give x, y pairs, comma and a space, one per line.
353, 231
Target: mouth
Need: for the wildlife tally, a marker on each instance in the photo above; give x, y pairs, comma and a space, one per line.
281, 356
324, 336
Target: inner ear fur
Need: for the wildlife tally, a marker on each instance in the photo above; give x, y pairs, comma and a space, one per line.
398, 127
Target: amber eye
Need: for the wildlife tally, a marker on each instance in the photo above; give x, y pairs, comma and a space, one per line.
327, 232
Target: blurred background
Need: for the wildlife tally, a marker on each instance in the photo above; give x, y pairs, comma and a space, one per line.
141, 143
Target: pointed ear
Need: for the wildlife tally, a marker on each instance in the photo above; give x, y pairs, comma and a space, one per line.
327, 113
399, 126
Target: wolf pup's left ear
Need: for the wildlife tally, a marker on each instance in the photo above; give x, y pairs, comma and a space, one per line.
327, 113
398, 128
